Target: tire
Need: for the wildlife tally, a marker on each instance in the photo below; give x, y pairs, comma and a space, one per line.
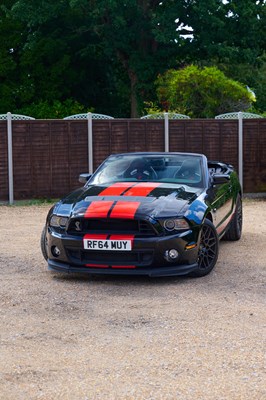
44, 244
234, 230
208, 249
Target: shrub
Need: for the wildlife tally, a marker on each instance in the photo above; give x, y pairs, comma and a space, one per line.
55, 110
202, 93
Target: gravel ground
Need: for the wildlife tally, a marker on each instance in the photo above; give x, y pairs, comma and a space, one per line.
69, 337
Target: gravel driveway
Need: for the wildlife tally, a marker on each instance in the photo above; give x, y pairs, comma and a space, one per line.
69, 337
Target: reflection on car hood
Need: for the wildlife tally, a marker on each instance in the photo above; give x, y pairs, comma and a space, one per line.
129, 200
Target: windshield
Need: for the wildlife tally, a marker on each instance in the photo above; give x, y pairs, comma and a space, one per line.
177, 168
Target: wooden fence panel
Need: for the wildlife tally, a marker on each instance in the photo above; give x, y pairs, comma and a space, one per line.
254, 164
212, 139
217, 139
229, 142
177, 135
77, 151
137, 135
154, 135
118, 136
31, 158
60, 162
3, 161
22, 163
261, 185
194, 137
101, 141
49, 155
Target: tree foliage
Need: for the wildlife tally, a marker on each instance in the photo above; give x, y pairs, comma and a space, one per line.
107, 54
204, 92
53, 110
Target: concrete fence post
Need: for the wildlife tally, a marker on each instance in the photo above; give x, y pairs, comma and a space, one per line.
166, 132
240, 147
10, 159
90, 143
240, 116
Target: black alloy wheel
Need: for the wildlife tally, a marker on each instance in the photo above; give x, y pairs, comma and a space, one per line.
208, 249
234, 230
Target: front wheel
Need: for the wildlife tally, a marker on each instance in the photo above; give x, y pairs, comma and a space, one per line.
208, 249
234, 230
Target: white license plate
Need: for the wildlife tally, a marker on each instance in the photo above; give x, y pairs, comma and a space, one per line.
108, 244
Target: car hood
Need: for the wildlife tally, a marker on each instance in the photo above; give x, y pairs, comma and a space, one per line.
129, 200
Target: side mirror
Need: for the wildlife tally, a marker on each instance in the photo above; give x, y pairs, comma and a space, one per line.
218, 179
83, 178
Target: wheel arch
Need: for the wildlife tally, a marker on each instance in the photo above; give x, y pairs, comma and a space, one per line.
209, 216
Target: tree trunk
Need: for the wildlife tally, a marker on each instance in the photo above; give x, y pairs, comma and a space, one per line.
133, 94
133, 83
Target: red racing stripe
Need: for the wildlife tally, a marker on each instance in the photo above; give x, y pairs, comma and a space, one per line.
142, 189
122, 237
95, 236
125, 210
98, 209
97, 265
107, 266
116, 189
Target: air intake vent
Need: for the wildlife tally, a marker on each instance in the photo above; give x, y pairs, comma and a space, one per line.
83, 226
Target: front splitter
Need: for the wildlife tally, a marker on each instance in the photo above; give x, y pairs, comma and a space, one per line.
176, 270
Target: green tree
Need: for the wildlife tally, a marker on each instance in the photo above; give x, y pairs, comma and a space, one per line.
254, 77
106, 54
202, 93
136, 35
231, 36
232, 30
115, 46
12, 33
57, 57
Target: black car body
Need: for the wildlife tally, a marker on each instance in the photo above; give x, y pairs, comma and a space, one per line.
155, 214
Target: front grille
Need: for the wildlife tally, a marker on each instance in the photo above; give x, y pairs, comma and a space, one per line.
136, 258
82, 226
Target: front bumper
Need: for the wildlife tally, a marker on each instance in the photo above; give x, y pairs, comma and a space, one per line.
146, 258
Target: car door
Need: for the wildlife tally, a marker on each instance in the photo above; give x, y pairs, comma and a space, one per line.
221, 201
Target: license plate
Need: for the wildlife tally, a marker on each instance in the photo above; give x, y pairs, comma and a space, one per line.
108, 244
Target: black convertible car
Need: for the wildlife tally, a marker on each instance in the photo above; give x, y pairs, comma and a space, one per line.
156, 214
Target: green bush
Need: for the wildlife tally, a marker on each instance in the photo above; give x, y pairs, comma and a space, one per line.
202, 93
55, 110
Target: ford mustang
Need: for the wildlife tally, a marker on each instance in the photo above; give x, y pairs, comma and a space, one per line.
155, 214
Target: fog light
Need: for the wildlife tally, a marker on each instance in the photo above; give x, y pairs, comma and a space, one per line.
171, 255
55, 251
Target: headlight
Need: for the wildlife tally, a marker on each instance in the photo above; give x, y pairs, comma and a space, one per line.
175, 224
58, 222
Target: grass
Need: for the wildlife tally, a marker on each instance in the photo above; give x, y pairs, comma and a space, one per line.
31, 202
